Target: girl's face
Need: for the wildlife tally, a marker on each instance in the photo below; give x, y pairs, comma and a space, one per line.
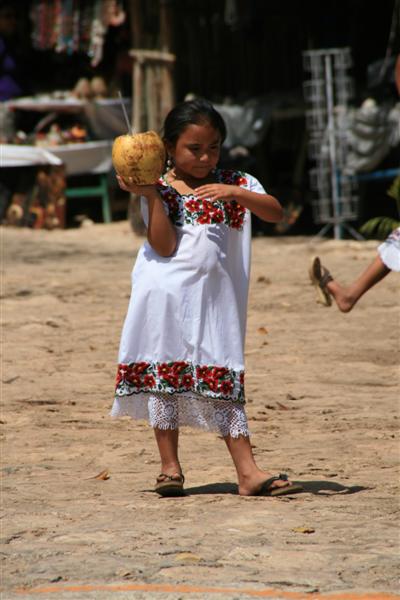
196, 151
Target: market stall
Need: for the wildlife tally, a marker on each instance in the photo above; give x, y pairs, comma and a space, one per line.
159, 51
71, 128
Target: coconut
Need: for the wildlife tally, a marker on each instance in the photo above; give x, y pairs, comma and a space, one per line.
140, 156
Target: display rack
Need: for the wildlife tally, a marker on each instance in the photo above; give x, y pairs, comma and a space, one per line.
327, 93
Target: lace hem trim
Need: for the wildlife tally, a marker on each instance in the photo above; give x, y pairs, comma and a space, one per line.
164, 411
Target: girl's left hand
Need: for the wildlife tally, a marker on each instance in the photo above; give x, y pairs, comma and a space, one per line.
216, 191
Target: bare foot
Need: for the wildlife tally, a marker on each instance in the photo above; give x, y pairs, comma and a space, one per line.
171, 468
342, 297
252, 484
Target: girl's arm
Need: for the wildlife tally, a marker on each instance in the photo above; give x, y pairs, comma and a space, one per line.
265, 206
161, 233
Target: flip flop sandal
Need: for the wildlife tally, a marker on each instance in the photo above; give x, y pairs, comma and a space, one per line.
170, 485
320, 277
267, 490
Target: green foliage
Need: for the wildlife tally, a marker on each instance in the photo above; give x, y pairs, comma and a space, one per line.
382, 226
394, 191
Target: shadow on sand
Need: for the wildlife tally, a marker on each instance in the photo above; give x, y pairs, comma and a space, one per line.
321, 488
318, 488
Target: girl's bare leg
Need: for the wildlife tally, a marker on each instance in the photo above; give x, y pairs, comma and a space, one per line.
347, 297
167, 441
250, 477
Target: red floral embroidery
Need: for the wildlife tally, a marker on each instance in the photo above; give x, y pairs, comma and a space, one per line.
225, 387
219, 372
217, 216
189, 210
173, 380
135, 379
207, 205
193, 205
212, 384
149, 381
140, 367
163, 369
204, 219
187, 381
178, 367
236, 223
202, 372
180, 376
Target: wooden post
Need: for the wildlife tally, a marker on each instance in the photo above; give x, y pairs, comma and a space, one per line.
153, 86
135, 14
156, 94
167, 99
135, 19
168, 92
151, 96
138, 86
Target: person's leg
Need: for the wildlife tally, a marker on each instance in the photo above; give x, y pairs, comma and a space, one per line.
347, 297
167, 442
250, 477
170, 480
163, 412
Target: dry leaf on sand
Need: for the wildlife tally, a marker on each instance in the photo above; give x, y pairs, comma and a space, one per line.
262, 330
103, 475
303, 530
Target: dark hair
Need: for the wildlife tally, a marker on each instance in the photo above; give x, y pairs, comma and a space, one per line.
192, 112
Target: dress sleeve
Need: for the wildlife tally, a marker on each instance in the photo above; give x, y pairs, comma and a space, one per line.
144, 208
253, 185
389, 250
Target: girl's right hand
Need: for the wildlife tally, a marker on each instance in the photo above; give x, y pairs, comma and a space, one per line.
140, 190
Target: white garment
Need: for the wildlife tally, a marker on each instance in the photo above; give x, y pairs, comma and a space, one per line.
389, 250
185, 329
166, 411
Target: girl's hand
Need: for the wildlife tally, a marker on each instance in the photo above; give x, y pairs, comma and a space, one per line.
140, 190
265, 206
216, 191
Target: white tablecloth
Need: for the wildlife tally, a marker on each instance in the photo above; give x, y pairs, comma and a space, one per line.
89, 157
47, 104
26, 156
79, 159
105, 117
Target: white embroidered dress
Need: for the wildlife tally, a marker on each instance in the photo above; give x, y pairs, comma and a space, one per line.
389, 250
181, 357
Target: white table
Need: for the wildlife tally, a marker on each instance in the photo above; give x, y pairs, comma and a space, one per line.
93, 158
12, 155
104, 116
79, 159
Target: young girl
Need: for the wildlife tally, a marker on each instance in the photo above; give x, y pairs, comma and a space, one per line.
181, 359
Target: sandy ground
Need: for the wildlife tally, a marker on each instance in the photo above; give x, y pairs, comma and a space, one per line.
323, 405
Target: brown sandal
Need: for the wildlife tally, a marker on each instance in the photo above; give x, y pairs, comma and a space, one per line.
267, 489
320, 277
170, 485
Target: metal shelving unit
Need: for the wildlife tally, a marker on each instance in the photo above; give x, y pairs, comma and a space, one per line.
327, 93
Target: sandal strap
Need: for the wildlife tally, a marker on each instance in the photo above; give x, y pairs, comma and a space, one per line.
281, 477
176, 477
326, 277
